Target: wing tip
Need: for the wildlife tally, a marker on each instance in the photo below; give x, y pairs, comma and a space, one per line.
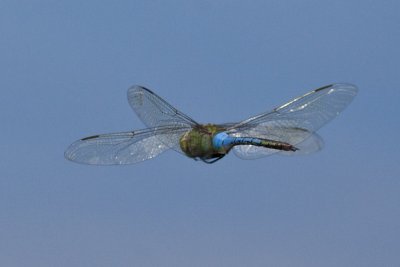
136, 87
90, 137
348, 87
324, 87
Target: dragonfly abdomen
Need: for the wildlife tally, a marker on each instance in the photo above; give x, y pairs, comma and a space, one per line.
224, 141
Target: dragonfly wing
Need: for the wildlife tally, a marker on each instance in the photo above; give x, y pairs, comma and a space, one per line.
155, 111
304, 141
123, 148
310, 111
296, 121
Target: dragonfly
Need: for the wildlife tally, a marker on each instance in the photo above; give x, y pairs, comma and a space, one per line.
289, 129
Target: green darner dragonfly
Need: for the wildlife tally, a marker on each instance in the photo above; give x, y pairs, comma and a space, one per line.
288, 129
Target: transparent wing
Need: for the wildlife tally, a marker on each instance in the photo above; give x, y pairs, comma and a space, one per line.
310, 111
155, 111
296, 121
125, 147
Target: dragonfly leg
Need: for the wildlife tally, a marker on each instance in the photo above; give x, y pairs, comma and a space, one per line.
210, 161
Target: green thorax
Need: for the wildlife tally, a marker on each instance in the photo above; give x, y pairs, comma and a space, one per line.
197, 143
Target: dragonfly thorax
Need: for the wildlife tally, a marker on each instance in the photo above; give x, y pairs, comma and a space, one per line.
197, 143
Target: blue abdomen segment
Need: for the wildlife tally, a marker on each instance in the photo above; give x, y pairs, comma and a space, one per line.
224, 141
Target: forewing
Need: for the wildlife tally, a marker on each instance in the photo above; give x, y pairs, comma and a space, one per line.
123, 148
155, 111
310, 111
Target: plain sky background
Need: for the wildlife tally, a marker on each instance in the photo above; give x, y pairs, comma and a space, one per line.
65, 67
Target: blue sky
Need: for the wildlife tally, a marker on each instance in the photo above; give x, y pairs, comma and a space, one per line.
66, 66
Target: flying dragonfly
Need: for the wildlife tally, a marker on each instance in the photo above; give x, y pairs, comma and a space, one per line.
289, 129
